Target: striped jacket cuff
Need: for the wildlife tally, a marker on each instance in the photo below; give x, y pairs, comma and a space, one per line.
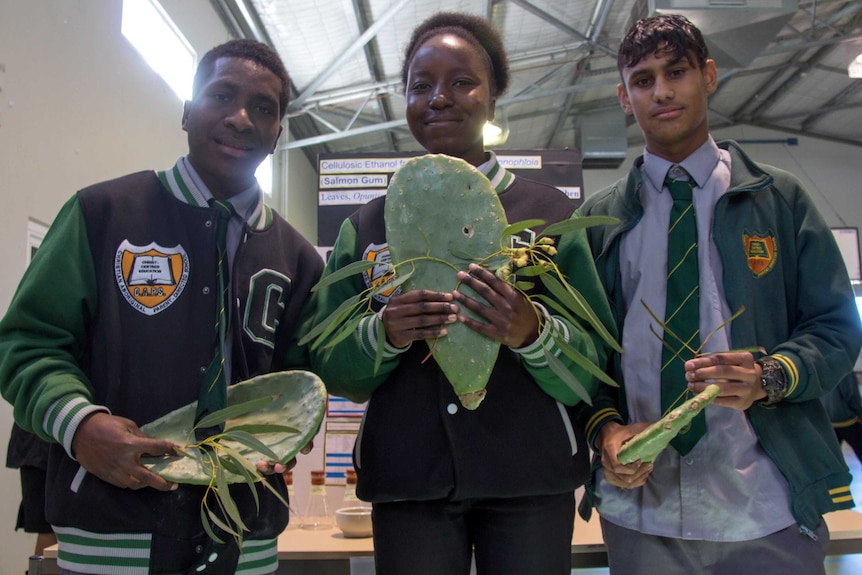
367, 333
790, 371
534, 354
64, 416
597, 420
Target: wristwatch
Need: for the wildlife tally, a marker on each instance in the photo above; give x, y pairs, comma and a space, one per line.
773, 379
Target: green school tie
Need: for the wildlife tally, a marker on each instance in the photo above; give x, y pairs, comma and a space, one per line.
682, 316
213, 393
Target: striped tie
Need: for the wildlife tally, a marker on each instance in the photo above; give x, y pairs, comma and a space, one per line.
213, 392
682, 310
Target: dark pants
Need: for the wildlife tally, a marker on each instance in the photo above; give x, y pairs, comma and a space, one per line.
517, 536
784, 552
852, 434
31, 512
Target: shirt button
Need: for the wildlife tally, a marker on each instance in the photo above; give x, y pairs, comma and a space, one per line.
208, 224
206, 290
452, 409
689, 460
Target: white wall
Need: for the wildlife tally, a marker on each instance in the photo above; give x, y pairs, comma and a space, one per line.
77, 105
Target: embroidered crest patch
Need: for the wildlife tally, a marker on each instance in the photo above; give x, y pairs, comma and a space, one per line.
761, 250
151, 277
380, 273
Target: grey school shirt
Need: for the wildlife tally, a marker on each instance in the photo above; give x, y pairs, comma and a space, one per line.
726, 488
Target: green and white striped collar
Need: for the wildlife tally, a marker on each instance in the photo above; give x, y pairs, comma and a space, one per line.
181, 182
500, 177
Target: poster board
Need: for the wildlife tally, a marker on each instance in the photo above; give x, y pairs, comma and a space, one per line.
346, 181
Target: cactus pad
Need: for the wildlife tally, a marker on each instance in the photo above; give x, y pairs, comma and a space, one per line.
299, 401
443, 207
646, 445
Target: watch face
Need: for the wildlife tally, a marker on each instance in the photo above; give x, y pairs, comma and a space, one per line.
772, 379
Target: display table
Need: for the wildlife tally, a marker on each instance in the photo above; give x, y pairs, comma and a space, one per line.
328, 551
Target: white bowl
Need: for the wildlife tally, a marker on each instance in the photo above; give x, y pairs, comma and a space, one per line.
354, 521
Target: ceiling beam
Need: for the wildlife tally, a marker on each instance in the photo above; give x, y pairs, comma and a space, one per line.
349, 53
535, 10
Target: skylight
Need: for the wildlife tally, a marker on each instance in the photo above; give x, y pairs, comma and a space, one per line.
151, 31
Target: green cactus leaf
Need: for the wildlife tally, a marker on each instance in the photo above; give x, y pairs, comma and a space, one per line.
439, 211
646, 445
300, 402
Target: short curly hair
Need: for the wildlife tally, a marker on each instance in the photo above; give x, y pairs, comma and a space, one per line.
664, 33
245, 49
475, 30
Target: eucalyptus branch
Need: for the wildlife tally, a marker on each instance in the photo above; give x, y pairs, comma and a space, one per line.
521, 267
685, 344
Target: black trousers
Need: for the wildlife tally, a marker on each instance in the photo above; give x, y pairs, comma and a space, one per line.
512, 536
852, 434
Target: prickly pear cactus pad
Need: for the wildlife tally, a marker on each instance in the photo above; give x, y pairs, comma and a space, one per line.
646, 445
298, 400
443, 207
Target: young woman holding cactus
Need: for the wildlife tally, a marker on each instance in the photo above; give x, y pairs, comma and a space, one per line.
445, 480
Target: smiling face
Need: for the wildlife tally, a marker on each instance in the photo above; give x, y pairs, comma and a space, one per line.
668, 98
449, 95
233, 123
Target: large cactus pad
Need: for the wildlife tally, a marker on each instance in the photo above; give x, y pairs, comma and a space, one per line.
299, 401
646, 445
439, 207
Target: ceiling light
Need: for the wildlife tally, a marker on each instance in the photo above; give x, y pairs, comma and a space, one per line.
496, 131
853, 54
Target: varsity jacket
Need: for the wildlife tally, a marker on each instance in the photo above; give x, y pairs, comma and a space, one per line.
781, 263
117, 312
416, 442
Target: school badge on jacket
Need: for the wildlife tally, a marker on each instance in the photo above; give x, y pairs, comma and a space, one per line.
381, 272
151, 277
761, 250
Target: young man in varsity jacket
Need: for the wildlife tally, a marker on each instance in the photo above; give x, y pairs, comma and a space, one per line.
112, 327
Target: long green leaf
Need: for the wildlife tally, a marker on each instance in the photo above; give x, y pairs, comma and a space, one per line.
219, 522
392, 283
205, 514
231, 466
568, 378
381, 344
518, 227
350, 269
560, 309
266, 485
251, 442
258, 428
245, 468
238, 459
345, 330
227, 502
531, 271
573, 299
574, 224
583, 361
325, 327
232, 411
